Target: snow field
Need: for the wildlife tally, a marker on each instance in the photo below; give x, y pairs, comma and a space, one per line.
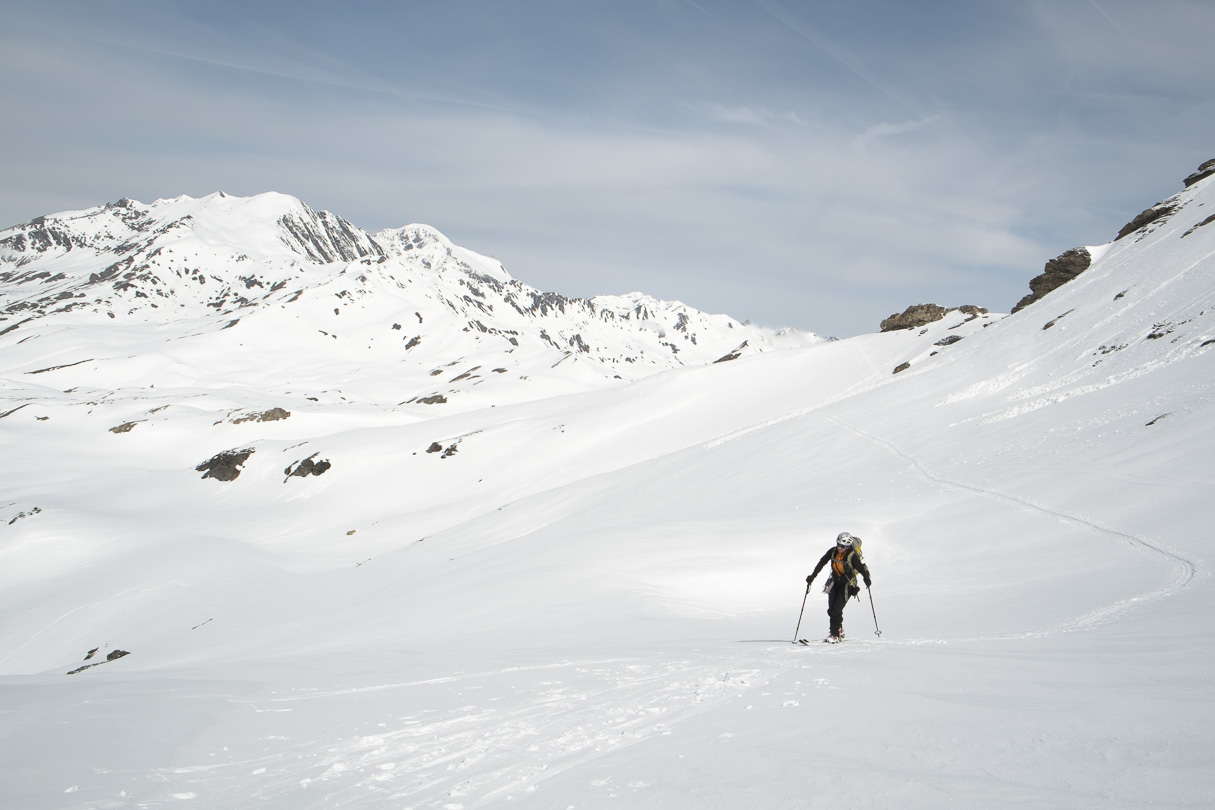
590, 603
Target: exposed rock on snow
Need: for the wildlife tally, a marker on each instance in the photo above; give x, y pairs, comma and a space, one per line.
918, 315
733, 355
1058, 271
272, 415
1054, 321
1158, 212
1193, 228
914, 316
5, 512
307, 467
113, 656
1204, 171
225, 466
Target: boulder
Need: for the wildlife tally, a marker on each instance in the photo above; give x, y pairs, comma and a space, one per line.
914, 316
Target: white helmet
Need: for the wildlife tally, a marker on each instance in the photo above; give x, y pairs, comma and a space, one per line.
846, 540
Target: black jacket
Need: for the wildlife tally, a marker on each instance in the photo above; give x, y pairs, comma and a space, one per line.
852, 565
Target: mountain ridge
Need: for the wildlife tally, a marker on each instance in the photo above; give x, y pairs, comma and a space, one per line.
218, 262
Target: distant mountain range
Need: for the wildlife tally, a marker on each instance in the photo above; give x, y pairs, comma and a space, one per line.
279, 274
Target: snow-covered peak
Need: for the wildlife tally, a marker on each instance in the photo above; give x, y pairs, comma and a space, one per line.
407, 300
268, 226
422, 240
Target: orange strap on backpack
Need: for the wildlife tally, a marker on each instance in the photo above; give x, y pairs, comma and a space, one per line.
837, 562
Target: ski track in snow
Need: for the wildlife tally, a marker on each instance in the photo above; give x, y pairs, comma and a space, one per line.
865, 385
472, 753
1184, 569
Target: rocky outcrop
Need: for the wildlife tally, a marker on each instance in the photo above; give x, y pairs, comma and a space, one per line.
1146, 217
1058, 271
272, 415
1204, 171
225, 466
36, 510
1202, 224
307, 467
918, 315
733, 355
113, 656
914, 316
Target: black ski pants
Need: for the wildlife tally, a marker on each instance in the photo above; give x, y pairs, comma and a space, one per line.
836, 599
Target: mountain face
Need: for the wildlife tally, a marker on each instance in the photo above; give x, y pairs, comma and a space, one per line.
287, 279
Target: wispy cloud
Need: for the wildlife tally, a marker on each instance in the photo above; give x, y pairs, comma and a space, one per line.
838, 53
750, 115
1111, 21
883, 130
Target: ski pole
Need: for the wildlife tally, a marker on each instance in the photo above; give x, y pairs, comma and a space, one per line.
877, 631
799, 615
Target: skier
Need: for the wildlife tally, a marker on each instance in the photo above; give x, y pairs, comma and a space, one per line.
846, 562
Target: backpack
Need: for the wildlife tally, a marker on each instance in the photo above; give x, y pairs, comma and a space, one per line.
839, 562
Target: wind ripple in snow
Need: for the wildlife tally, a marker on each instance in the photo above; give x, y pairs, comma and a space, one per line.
483, 736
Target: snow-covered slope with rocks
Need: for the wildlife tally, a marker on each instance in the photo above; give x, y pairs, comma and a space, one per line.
587, 599
262, 282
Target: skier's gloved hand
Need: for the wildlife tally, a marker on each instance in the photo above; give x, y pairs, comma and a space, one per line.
810, 580
868, 581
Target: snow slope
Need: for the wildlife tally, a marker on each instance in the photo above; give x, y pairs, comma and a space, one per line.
586, 598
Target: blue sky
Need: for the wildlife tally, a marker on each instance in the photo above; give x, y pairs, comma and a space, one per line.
809, 164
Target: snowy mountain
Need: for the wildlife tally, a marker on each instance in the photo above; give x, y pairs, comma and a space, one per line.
403, 306
277, 586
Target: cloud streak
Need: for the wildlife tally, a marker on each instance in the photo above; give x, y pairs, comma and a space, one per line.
838, 53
